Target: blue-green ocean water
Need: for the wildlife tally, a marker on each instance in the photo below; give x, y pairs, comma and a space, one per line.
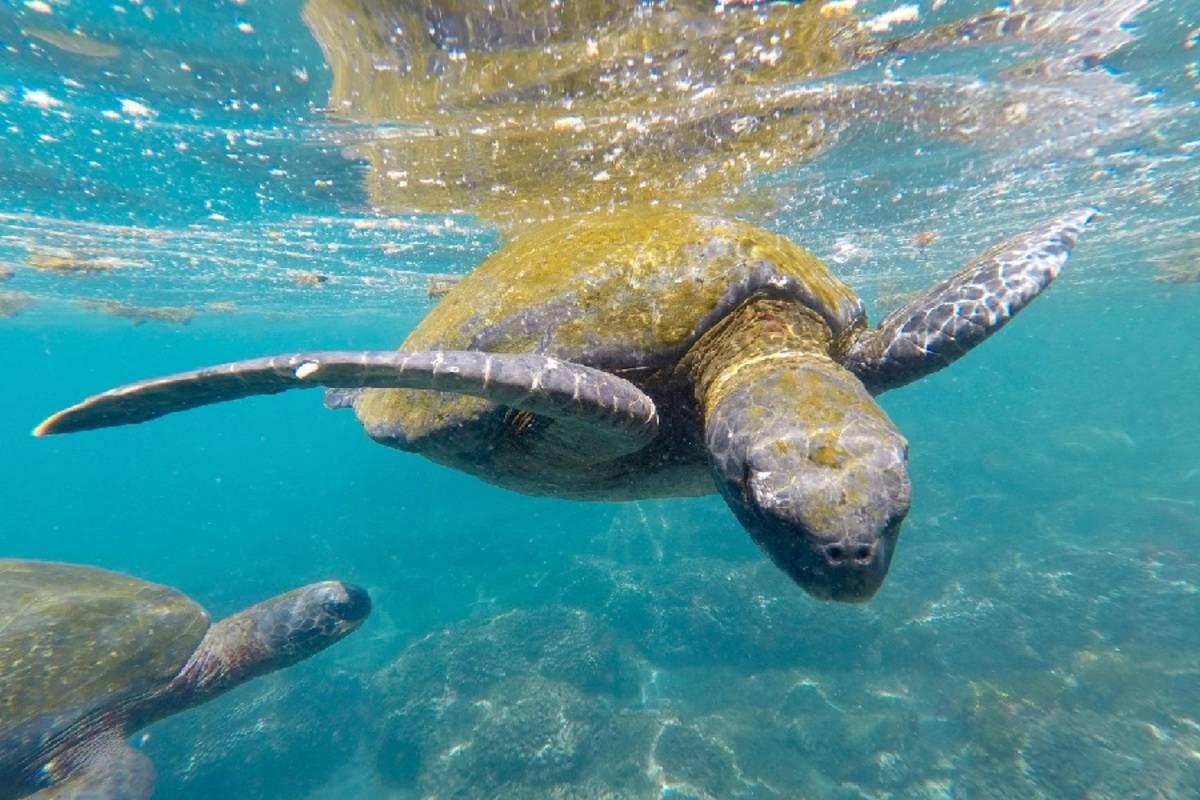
1039, 632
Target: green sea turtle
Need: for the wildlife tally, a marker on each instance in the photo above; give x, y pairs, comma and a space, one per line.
87, 657
654, 352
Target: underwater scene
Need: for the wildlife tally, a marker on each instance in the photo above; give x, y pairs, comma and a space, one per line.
673, 490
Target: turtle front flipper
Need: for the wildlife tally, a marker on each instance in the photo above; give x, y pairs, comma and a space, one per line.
108, 769
939, 327
561, 390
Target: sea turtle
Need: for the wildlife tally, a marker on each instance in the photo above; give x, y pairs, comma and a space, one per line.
654, 352
88, 656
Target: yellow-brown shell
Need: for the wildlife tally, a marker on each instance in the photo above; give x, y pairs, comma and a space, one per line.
72, 637
627, 291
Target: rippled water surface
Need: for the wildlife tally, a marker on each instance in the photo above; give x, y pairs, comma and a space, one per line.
192, 183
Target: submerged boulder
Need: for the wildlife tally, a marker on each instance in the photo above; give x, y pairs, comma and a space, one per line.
275, 739
486, 707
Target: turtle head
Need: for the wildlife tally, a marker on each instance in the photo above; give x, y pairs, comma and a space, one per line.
304, 621
271, 635
815, 471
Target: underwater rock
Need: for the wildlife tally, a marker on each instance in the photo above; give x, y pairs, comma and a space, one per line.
704, 611
685, 756
1084, 754
454, 716
268, 740
877, 745
529, 732
542, 704
787, 733
1179, 274
1020, 602
1100, 707
561, 644
1055, 752
526, 737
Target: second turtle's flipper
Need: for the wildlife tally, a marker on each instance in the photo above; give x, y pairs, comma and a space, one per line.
960, 312
538, 384
110, 770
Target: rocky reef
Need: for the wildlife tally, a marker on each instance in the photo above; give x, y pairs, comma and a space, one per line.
658, 658
281, 736
668, 673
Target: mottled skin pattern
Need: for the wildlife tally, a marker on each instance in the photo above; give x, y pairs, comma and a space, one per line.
652, 352
87, 657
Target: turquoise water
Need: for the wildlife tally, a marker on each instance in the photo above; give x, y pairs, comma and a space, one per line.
1037, 635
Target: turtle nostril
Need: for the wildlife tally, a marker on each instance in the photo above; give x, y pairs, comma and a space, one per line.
849, 555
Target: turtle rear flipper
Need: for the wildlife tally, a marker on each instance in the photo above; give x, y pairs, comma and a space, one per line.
955, 315
596, 401
111, 770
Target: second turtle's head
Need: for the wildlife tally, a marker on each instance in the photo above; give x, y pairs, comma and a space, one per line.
304, 621
815, 471
270, 635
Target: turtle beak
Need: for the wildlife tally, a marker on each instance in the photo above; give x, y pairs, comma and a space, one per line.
846, 565
845, 570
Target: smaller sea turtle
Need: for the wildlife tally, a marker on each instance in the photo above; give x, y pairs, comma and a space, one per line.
654, 352
88, 656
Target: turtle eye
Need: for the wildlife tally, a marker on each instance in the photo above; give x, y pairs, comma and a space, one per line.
347, 602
